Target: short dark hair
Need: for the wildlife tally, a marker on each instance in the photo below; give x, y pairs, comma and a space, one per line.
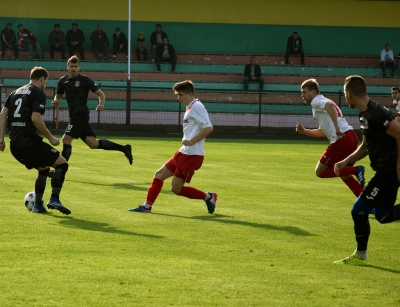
38, 72
8, 24
387, 44
158, 25
74, 24
395, 88
311, 84
295, 32
186, 86
74, 59
355, 85
252, 58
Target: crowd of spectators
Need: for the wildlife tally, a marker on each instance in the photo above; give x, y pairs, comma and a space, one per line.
160, 48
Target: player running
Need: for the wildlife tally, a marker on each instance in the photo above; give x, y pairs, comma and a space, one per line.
189, 158
76, 88
343, 139
23, 110
381, 142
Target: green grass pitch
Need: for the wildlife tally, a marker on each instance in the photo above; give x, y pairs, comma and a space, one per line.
272, 241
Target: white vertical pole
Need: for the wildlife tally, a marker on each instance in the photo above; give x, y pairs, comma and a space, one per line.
129, 39
128, 80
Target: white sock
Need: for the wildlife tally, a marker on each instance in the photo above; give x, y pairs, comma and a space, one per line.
147, 206
362, 254
207, 197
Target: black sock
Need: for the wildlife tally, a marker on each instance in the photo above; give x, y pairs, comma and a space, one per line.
362, 230
67, 151
58, 179
108, 145
40, 185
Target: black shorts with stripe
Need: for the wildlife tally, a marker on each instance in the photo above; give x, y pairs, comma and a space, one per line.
40, 155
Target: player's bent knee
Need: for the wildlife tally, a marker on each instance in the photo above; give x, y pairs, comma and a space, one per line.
176, 190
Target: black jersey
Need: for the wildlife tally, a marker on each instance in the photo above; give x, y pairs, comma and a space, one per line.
381, 147
77, 91
21, 104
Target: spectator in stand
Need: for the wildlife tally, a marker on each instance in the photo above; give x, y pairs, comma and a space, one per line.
8, 41
252, 73
57, 41
27, 41
100, 42
387, 60
166, 53
156, 40
294, 46
75, 39
141, 47
120, 43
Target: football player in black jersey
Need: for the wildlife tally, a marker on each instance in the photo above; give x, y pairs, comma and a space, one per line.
23, 110
381, 141
76, 88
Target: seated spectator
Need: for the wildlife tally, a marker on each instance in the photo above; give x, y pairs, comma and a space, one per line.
156, 40
387, 60
166, 53
57, 41
141, 47
252, 73
100, 42
294, 46
8, 41
75, 39
28, 41
120, 43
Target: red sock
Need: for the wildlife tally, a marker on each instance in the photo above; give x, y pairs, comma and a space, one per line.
153, 191
330, 173
192, 193
354, 185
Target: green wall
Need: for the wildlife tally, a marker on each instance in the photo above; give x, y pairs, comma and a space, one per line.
234, 38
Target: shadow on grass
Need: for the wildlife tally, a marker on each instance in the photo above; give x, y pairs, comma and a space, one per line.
381, 268
225, 220
127, 186
71, 222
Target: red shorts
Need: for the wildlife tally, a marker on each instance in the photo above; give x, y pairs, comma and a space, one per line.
341, 149
184, 166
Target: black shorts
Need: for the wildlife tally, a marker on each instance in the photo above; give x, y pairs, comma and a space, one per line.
381, 190
40, 155
79, 127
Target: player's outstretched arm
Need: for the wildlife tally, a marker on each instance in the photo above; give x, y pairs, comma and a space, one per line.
358, 154
3, 122
394, 131
203, 133
102, 100
41, 126
57, 100
315, 133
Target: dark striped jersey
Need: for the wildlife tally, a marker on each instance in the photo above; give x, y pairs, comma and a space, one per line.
21, 104
76, 90
382, 148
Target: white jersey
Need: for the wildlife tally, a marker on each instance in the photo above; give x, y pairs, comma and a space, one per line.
324, 121
396, 105
195, 119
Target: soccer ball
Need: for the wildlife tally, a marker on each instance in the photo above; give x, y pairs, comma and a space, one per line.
30, 200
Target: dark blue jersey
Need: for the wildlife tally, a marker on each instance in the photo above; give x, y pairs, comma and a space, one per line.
381, 147
76, 91
21, 104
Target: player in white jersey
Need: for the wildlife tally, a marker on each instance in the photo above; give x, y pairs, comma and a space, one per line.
189, 158
343, 140
396, 103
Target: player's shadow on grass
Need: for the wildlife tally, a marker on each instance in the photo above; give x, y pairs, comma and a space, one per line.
127, 186
225, 220
381, 268
71, 222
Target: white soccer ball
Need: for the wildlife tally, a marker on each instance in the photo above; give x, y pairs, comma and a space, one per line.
30, 200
